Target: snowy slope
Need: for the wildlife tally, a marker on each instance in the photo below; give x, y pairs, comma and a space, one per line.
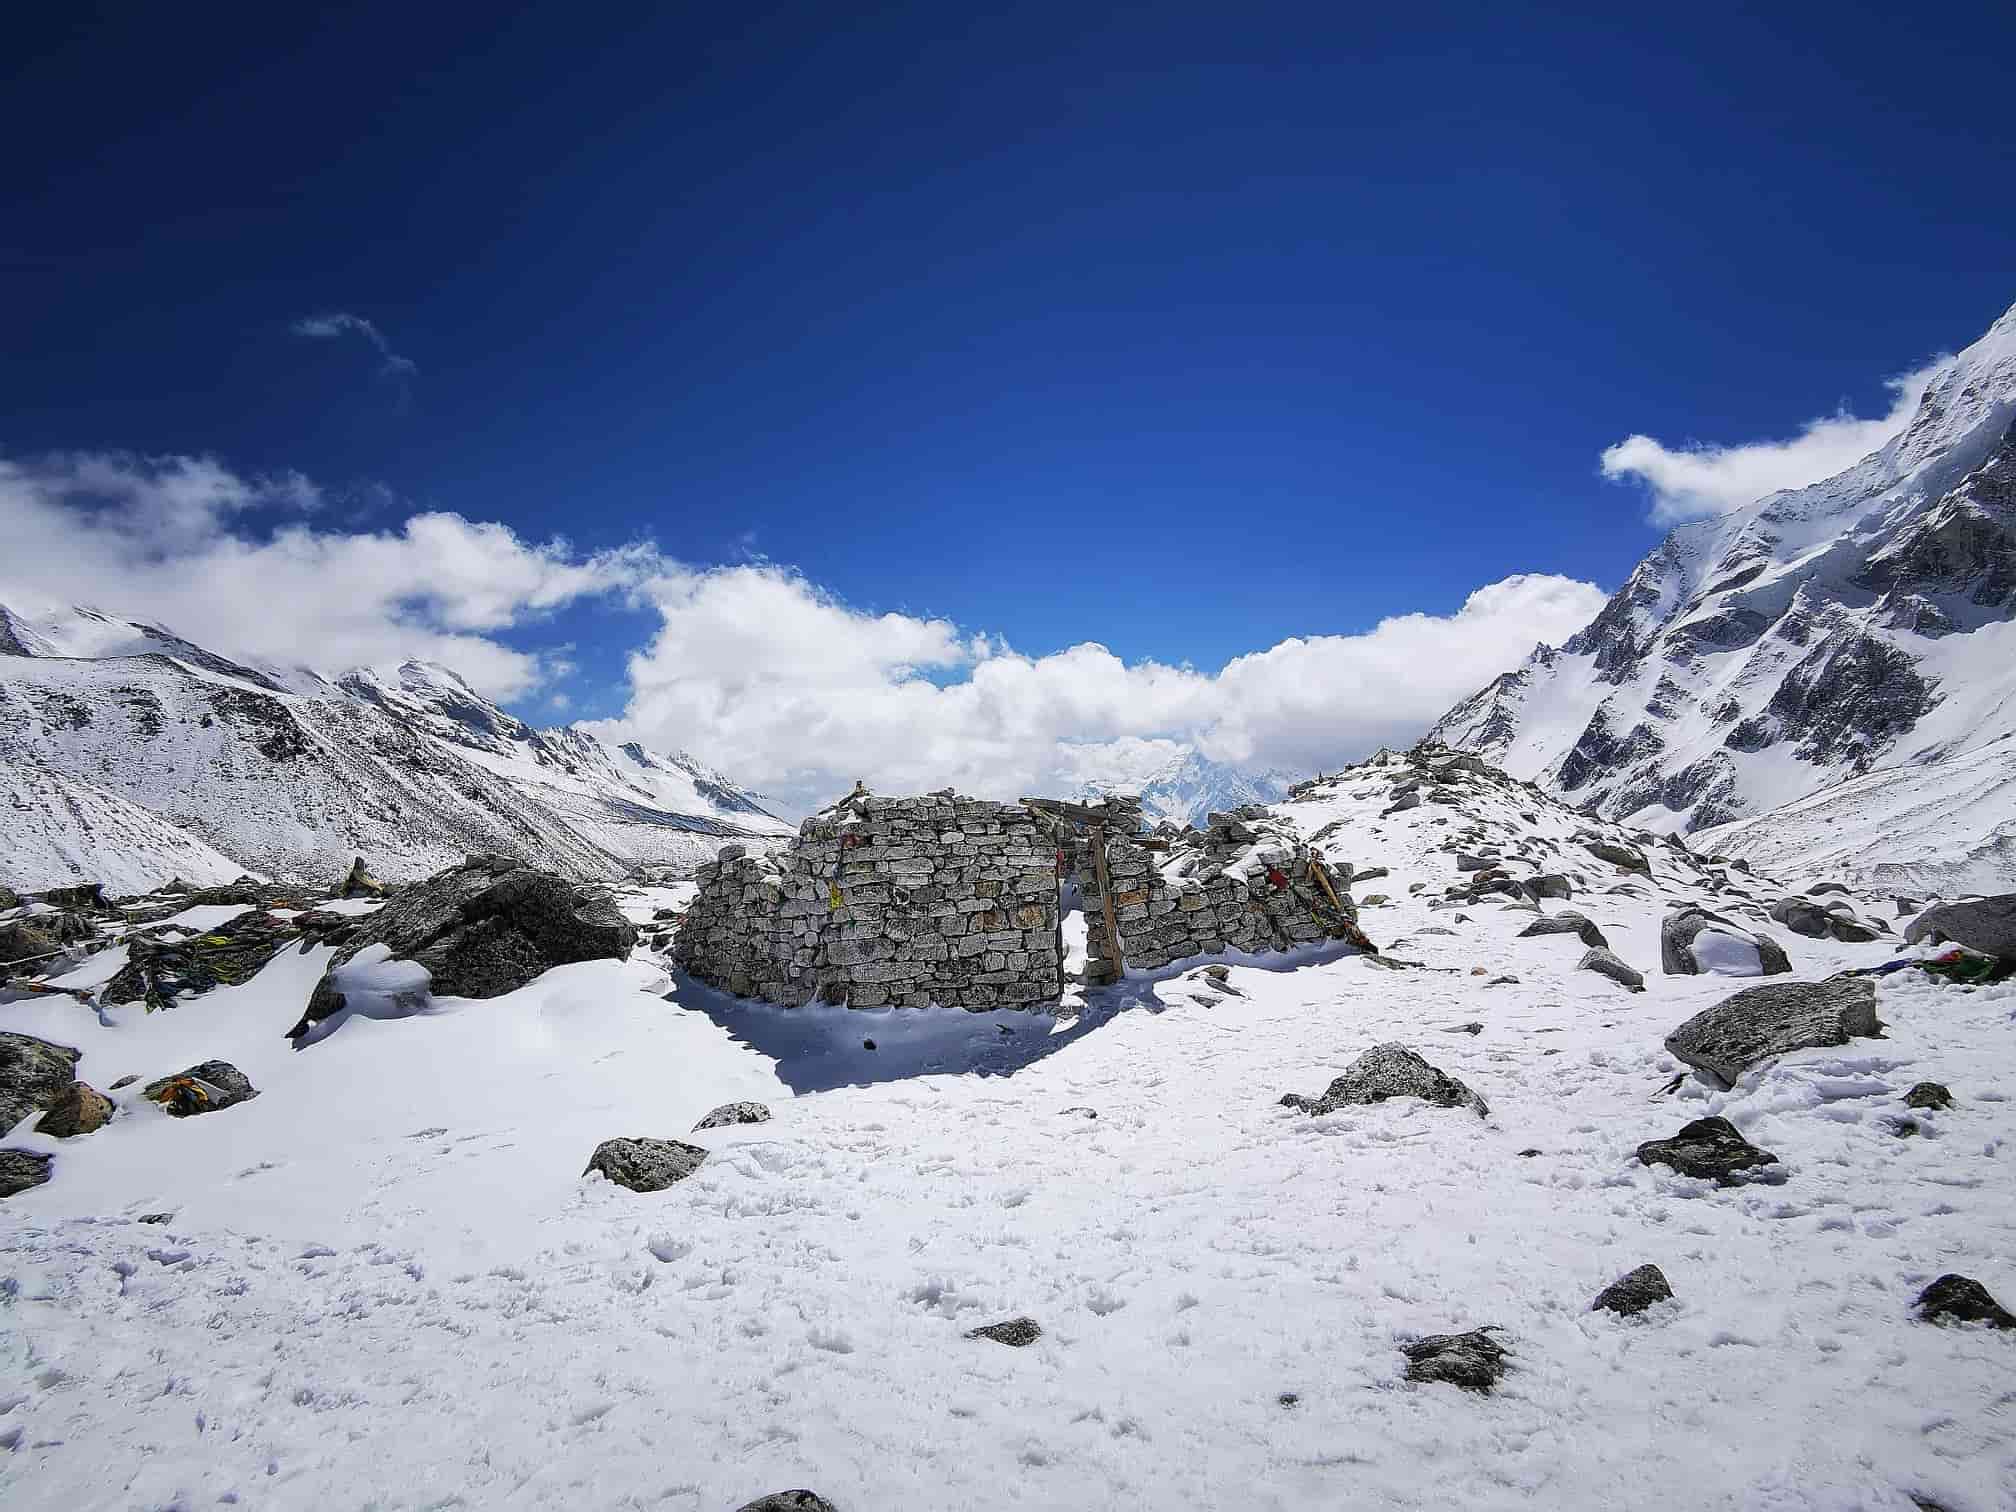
384, 1282
293, 775
1754, 659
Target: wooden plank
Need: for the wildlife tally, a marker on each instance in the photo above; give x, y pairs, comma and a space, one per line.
1098, 838
1323, 877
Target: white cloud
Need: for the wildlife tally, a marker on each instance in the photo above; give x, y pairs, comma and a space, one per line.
781, 685
166, 539
401, 370
1697, 479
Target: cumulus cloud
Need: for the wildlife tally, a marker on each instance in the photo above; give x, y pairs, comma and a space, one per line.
179, 540
767, 677
338, 323
1696, 479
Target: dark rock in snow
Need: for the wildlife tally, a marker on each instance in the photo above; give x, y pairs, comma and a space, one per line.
40, 940
1634, 1291
206, 1088
1605, 963
85, 897
1821, 888
1928, 1095
1961, 1299
482, 929
1475, 1361
1801, 917
22, 1169
1986, 925
1619, 855
1849, 930
789, 1501
9, 898
1080, 1112
1473, 1027
1707, 1147
79, 1109
1018, 1333
1567, 921
1469, 863
1550, 885
161, 971
33, 1074
645, 1165
125, 1081
1390, 1070
1680, 928
734, 1113
1760, 1022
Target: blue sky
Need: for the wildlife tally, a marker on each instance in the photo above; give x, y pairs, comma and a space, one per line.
1184, 329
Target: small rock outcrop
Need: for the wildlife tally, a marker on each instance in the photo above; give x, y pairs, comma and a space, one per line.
1567, 921
1930, 1095
1633, 1292
1475, 1361
79, 1109
1607, 963
645, 1165
1760, 1022
1727, 950
789, 1501
734, 1113
1017, 1333
1619, 855
1390, 1070
34, 1073
209, 1087
1986, 925
22, 1169
1709, 1148
359, 883
1962, 1299
1549, 885
482, 929
1801, 916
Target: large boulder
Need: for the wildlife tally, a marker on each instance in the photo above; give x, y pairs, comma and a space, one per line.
79, 1109
1613, 966
22, 1169
1620, 855
34, 1074
482, 929
1390, 1070
1693, 941
1986, 925
1962, 1299
207, 1087
1760, 1022
1633, 1292
1568, 921
645, 1165
1709, 1148
1802, 916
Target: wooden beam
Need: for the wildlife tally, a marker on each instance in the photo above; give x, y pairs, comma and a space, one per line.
1098, 838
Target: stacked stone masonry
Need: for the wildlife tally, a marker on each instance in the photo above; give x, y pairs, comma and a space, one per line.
905, 901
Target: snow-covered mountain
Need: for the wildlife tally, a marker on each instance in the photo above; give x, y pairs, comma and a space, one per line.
1860, 629
131, 755
1182, 786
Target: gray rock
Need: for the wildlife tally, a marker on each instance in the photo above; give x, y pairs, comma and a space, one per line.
1760, 1022
1475, 1361
33, 1074
789, 1501
1473, 1027
1369, 874
1961, 1299
79, 1109
1634, 1291
1389, 1070
1930, 1095
1619, 855
1821, 888
1550, 885
9, 898
1707, 1147
209, 1087
645, 1165
1801, 917
1469, 863
1986, 925
1678, 930
22, 1169
734, 1113
1567, 921
1017, 1333
482, 929
734, 850
1605, 963
1849, 930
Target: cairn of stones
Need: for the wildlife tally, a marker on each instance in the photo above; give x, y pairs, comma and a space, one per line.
880, 901
1245, 882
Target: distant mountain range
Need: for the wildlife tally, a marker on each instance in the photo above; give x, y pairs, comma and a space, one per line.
1183, 787
1838, 659
129, 755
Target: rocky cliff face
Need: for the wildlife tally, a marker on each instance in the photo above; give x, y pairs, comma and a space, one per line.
133, 756
1862, 625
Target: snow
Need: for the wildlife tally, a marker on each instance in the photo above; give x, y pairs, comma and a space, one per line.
384, 1281
1725, 954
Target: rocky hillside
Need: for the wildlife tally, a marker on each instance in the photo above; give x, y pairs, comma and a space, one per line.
1862, 626
130, 756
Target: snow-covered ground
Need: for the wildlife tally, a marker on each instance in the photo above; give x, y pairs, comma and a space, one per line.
384, 1283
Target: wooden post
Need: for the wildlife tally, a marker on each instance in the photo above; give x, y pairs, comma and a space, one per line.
1097, 835
1323, 876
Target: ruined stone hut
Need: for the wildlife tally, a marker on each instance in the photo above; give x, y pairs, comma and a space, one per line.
940, 899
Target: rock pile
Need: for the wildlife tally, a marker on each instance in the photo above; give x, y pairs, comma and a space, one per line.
905, 901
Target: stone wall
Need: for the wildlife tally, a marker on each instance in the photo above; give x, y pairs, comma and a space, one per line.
1245, 882
906, 901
